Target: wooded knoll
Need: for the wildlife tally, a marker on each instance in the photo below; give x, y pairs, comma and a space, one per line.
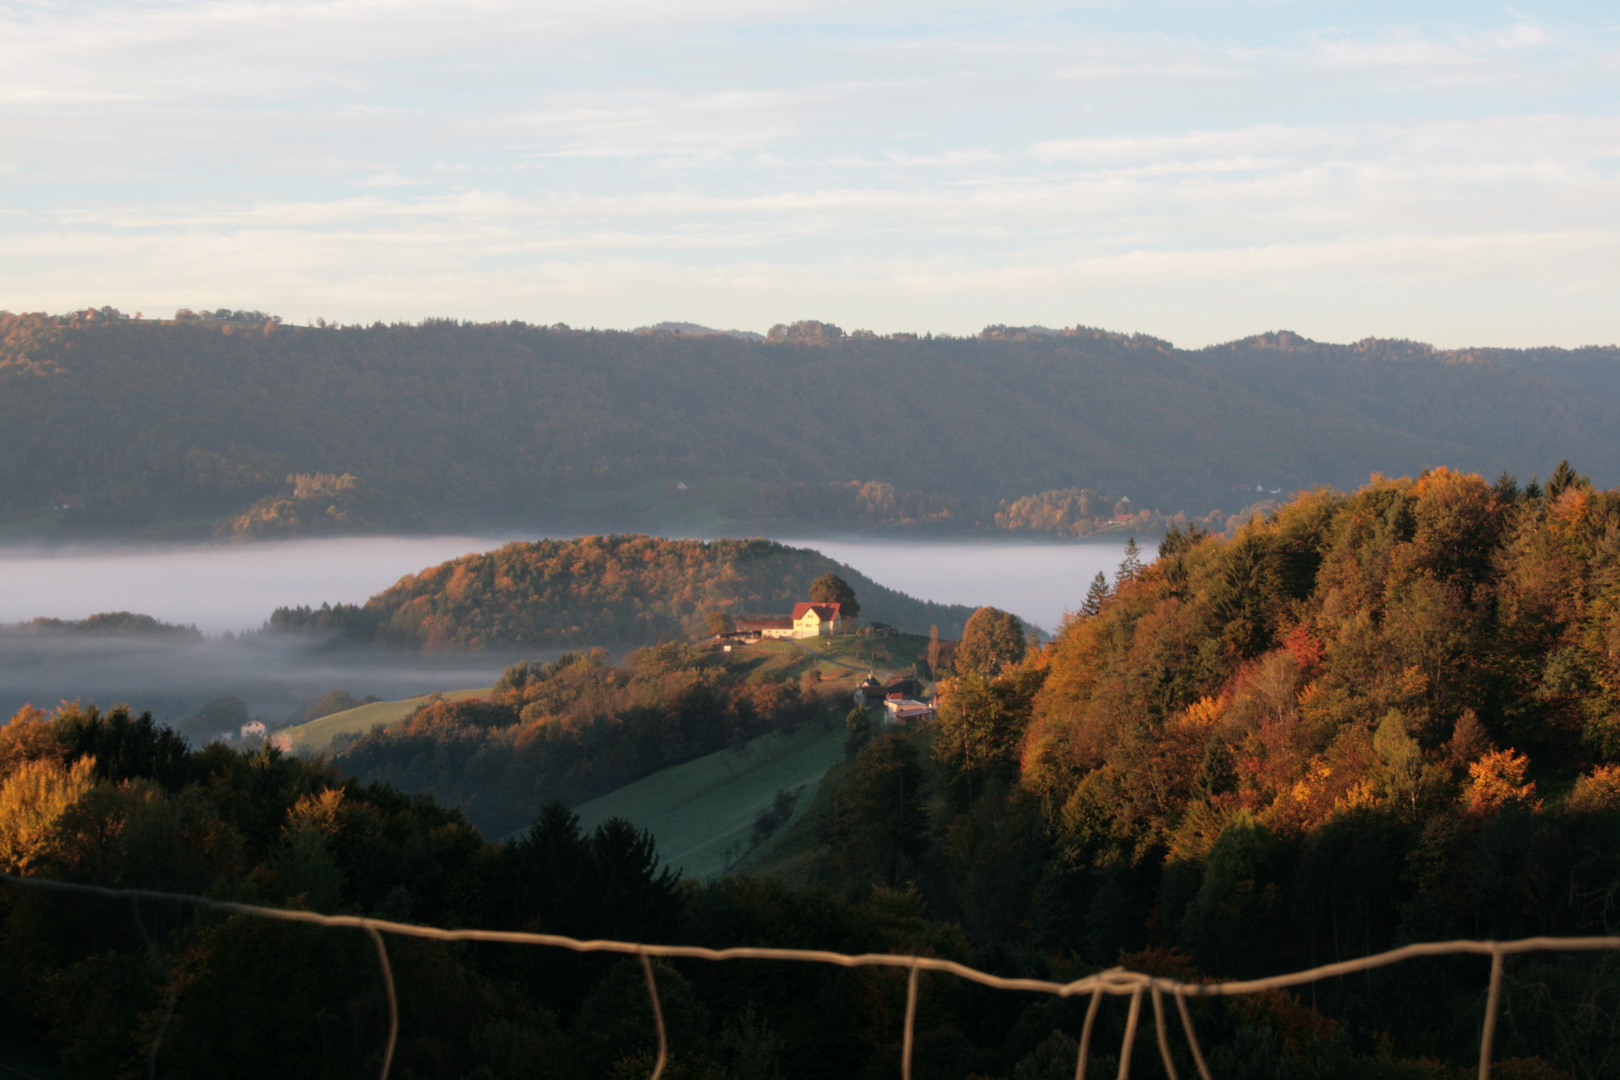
602, 590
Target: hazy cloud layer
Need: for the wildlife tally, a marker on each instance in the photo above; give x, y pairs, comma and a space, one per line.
1197, 171
225, 589
222, 588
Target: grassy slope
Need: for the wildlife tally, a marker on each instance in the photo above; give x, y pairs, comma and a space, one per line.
797, 853
702, 813
884, 654
841, 660
317, 735
699, 810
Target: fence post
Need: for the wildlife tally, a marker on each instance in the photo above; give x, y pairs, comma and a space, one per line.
1085, 1033
1129, 1044
1487, 1038
1192, 1037
1164, 1035
911, 1021
393, 1000
173, 991
658, 1018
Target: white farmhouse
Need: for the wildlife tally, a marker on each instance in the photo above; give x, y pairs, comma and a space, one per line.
816, 620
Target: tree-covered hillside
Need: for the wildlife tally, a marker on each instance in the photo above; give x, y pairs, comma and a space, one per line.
1365, 720
1368, 719
578, 727
254, 428
604, 590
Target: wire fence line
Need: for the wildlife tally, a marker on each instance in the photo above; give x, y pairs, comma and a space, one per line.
1113, 982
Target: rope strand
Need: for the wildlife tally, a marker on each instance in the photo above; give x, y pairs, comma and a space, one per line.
1115, 981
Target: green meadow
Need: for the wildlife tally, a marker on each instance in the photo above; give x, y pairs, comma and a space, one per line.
845, 659
702, 813
317, 735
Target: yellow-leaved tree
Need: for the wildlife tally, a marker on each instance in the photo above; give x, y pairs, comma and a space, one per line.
32, 800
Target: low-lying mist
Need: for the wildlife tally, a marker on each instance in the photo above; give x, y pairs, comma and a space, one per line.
217, 592
215, 587
175, 674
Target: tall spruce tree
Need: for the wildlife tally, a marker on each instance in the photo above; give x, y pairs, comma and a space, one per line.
1096, 595
1131, 565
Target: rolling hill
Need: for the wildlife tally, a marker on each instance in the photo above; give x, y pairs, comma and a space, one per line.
604, 590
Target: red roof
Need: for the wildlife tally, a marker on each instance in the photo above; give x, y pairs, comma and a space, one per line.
826, 612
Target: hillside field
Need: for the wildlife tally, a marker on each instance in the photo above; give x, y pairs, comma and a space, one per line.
842, 659
702, 813
317, 735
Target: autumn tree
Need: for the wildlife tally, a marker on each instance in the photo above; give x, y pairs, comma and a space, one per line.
981, 722
1401, 756
33, 799
991, 640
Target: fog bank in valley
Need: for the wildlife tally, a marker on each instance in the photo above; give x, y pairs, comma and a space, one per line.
221, 590
173, 675
224, 594
216, 587
1039, 582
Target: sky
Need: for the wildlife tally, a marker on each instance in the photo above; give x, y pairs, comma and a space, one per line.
1198, 171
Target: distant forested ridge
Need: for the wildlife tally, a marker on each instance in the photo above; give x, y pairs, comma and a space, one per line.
237, 424
600, 590
106, 624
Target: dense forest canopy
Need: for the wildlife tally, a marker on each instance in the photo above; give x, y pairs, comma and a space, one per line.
1402, 704
1364, 720
254, 428
603, 590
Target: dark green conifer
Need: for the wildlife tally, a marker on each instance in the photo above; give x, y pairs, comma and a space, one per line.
1096, 595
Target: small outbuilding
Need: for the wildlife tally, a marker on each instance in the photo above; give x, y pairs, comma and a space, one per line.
766, 626
903, 710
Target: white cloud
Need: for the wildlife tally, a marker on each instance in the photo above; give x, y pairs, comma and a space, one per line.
381, 158
1520, 36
